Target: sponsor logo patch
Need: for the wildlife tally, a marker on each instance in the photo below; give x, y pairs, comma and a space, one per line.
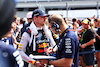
68, 45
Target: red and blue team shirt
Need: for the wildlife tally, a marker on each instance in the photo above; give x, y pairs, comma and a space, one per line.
68, 47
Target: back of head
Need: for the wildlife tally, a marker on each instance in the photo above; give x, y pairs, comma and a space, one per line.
74, 20
6, 15
22, 20
57, 18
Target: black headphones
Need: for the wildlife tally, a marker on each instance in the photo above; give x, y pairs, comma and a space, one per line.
54, 25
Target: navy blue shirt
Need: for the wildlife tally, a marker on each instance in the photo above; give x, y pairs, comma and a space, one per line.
68, 47
9, 57
8, 41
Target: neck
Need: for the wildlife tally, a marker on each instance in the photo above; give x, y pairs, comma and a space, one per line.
63, 28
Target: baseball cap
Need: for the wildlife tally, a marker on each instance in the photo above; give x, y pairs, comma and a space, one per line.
85, 21
39, 12
29, 14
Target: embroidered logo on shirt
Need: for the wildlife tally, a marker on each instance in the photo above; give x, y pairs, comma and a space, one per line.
68, 45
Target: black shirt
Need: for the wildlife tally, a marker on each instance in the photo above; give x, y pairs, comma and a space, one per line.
88, 35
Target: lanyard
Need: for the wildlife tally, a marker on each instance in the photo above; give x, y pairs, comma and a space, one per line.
82, 36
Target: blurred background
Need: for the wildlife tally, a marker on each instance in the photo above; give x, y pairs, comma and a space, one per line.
68, 8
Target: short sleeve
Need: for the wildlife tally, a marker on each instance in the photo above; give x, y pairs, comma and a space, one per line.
69, 49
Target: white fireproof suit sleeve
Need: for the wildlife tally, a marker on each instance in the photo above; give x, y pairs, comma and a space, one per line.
22, 47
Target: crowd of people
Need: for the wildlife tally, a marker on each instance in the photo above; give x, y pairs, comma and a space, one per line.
73, 42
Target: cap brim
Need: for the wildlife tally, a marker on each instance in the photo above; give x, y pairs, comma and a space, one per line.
84, 23
45, 15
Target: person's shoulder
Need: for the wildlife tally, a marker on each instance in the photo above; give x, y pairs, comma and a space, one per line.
27, 25
90, 30
28, 31
71, 34
5, 47
12, 54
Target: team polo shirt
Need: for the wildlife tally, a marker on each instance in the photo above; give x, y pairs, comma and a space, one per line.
68, 47
8, 40
9, 57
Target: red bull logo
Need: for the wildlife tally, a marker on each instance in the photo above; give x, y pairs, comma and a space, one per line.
41, 51
43, 45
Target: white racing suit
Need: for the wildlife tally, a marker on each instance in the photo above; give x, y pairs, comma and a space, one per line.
36, 41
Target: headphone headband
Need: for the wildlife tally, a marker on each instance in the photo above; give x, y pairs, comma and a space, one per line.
49, 19
54, 25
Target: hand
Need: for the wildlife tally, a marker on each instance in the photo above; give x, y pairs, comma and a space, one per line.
43, 61
38, 64
83, 46
49, 50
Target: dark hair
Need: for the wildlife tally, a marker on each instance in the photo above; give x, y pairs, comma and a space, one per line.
14, 19
89, 19
22, 20
95, 20
6, 15
74, 19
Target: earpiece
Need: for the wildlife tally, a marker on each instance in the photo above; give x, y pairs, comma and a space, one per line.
54, 25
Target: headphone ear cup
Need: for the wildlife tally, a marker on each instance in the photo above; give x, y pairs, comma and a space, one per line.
55, 26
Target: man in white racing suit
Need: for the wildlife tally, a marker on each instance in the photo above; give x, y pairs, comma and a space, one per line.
36, 39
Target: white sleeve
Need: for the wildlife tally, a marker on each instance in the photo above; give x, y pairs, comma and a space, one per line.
24, 40
23, 44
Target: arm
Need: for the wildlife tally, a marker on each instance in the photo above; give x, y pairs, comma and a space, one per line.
91, 41
18, 32
88, 43
96, 35
64, 62
15, 41
22, 46
68, 56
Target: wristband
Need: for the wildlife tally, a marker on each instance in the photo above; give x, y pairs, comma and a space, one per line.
32, 62
85, 45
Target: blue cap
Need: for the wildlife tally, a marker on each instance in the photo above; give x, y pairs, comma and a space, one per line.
39, 12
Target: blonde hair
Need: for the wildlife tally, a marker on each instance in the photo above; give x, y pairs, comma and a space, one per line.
92, 25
